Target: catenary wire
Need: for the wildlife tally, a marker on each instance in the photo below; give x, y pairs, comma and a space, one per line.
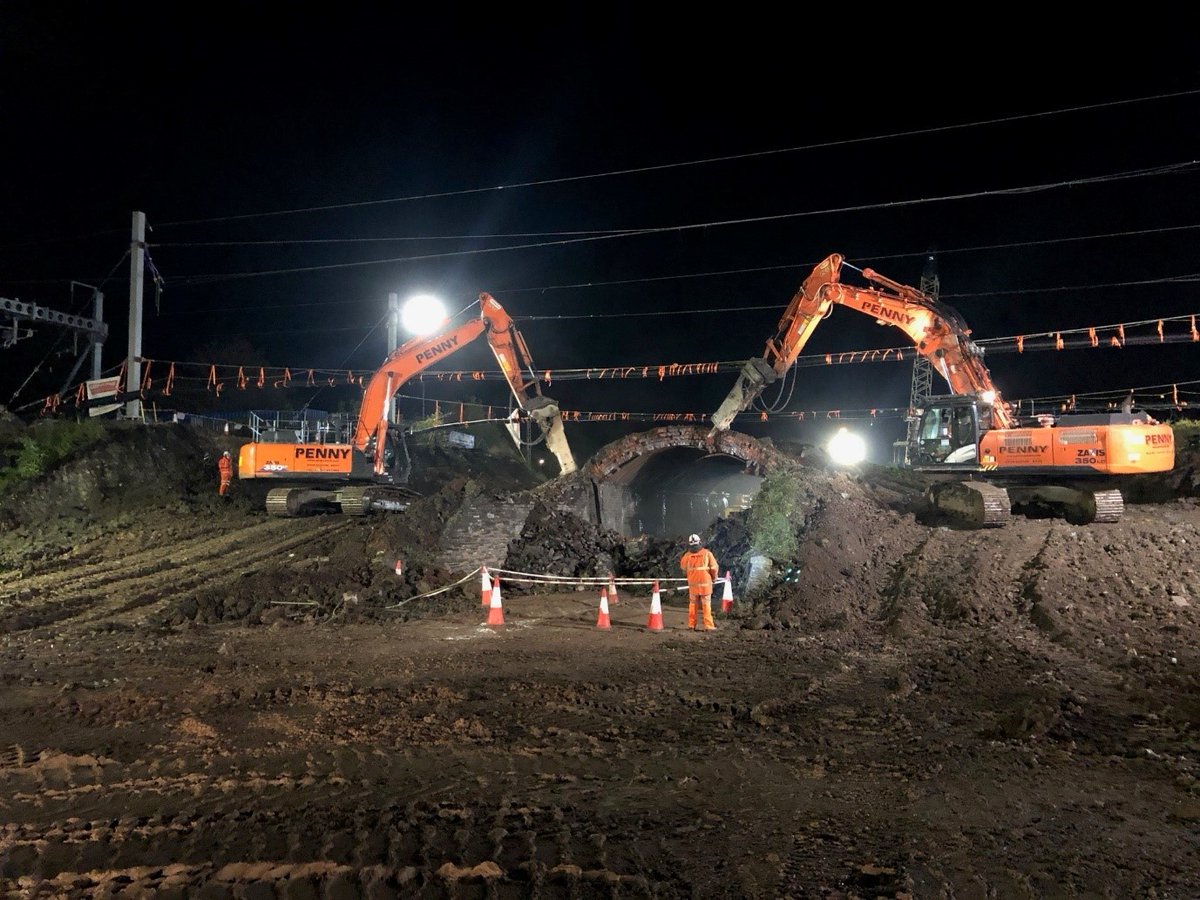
698, 162
695, 226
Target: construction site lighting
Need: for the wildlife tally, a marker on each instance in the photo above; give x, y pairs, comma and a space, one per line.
846, 448
423, 314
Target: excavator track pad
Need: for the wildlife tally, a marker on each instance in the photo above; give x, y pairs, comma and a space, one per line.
1110, 506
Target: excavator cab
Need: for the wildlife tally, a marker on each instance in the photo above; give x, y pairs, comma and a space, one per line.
948, 433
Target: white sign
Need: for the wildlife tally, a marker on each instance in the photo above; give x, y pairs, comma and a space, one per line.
103, 387
461, 439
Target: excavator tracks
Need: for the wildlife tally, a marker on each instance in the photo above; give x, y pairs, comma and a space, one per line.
355, 500
289, 503
975, 504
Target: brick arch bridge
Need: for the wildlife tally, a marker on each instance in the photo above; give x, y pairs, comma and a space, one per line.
620, 461
599, 492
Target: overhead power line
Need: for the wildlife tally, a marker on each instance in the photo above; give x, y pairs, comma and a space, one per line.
1173, 168
662, 167
742, 271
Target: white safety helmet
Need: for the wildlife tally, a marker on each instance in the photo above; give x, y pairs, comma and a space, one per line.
693, 540
226, 454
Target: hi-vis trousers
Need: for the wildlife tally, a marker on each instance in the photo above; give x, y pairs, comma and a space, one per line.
705, 601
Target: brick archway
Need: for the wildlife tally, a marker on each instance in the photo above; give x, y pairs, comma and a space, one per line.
619, 460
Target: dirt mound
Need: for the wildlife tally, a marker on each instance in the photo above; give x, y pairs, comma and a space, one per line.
124, 475
867, 566
123, 467
561, 543
349, 574
434, 466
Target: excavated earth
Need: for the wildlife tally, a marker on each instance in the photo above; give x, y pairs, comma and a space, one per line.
197, 700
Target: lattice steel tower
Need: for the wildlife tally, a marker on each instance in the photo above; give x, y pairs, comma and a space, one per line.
922, 374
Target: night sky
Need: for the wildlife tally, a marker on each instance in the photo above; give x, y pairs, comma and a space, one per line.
1054, 182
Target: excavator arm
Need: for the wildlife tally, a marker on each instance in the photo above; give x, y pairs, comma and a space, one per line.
936, 330
418, 354
512, 354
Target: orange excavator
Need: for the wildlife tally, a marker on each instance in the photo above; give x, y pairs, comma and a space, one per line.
365, 475
988, 463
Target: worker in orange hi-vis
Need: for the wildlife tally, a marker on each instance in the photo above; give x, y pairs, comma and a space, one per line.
225, 467
700, 566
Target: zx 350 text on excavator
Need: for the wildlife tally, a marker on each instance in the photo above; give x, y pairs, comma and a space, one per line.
367, 474
993, 463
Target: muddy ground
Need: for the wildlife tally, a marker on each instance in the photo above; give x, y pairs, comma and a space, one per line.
197, 700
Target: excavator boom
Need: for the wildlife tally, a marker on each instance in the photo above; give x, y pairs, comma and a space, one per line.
418, 354
515, 361
936, 330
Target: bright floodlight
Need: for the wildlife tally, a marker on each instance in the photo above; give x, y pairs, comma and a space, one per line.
423, 314
988, 397
847, 449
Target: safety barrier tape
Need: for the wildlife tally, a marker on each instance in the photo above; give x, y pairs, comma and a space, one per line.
586, 579
441, 590
536, 578
578, 583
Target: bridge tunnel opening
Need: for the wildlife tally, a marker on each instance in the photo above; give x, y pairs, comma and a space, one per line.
679, 490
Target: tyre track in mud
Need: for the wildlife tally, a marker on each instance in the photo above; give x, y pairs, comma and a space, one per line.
106, 591
814, 741
561, 828
74, 574
339, 842
113, 548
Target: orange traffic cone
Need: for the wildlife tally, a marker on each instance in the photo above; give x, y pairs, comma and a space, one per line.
602, 621
727, 594
496, 611
612, 591
656, 622
485, 588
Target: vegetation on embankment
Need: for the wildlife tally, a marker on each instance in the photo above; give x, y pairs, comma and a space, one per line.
32, 452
